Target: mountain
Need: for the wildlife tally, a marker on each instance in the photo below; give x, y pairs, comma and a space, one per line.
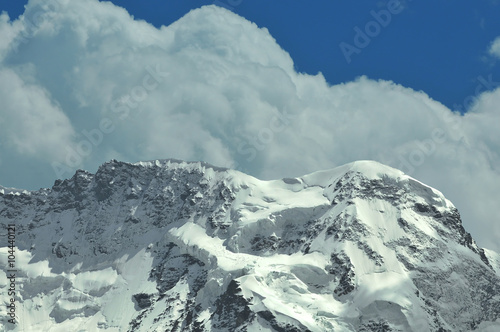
169, 245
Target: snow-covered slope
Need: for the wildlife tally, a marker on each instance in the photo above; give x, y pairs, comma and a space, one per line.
174, 246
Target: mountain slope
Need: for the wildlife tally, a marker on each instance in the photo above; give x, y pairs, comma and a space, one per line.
176, 246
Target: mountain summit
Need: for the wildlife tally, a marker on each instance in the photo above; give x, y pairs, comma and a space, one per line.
169, 245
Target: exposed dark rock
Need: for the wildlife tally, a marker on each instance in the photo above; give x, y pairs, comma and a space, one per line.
231, 309
142, 300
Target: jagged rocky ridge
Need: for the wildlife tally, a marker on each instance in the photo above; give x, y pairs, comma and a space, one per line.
175, 246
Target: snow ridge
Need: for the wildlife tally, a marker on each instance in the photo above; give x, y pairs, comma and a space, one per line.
187, 246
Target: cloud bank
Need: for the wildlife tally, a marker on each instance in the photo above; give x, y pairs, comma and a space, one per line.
82, 82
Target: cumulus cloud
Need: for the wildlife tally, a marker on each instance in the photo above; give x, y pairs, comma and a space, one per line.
30, 122
494, 48
83, 82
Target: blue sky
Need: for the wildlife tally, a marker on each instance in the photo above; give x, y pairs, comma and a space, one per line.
271, 88
440, 48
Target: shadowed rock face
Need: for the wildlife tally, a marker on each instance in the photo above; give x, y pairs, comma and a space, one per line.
170, 245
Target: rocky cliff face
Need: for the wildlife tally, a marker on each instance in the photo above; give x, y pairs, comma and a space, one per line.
175, 246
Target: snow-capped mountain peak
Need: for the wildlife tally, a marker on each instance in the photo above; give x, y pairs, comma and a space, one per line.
187, 246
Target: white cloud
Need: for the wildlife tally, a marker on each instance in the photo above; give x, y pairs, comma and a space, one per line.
8, 32
494, 48
30, 122
215, 87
